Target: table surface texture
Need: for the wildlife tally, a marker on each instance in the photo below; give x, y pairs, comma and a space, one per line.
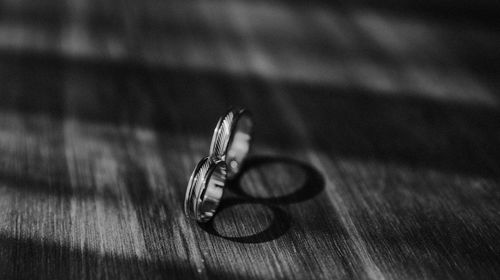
376, 152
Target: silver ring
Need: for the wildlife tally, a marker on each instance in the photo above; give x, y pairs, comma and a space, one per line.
229, 148
205, 189
232, 138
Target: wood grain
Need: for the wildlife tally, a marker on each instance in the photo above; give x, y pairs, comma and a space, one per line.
376, 151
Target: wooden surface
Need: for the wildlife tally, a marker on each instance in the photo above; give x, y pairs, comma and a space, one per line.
376, 153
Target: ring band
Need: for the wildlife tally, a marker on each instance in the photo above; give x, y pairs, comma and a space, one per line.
228, 149
205, 189
232, 138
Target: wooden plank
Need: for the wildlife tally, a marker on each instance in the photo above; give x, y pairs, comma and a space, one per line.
375, 154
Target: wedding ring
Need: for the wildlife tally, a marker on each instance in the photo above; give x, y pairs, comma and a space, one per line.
228, 149
205, 189
232, 138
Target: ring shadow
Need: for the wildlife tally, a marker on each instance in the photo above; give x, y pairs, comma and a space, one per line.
279, 225
313, 185
281, 220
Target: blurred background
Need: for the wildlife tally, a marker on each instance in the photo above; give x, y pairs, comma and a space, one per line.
106, 107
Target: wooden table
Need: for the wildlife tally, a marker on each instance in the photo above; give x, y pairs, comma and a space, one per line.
376, 153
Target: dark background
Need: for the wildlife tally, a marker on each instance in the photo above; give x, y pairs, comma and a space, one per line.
376, 152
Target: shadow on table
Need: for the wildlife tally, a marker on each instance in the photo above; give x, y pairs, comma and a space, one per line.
31, 258
262, 203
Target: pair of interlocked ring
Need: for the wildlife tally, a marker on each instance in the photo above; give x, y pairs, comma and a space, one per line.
228, 150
